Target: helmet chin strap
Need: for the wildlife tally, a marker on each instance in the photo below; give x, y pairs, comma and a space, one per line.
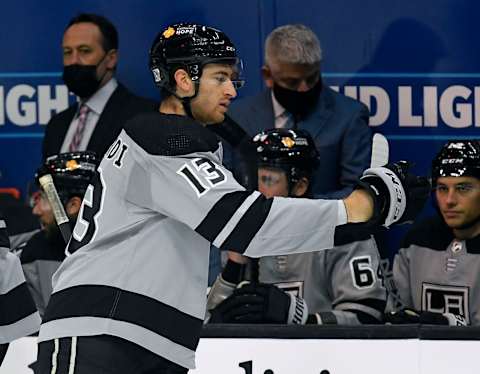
291, 180
187, 105
187, 100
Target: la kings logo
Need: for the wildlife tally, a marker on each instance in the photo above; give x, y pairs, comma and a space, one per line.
446, 299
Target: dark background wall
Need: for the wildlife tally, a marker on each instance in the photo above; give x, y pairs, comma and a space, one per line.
414, 63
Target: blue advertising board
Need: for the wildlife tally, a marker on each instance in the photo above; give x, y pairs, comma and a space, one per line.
415, 64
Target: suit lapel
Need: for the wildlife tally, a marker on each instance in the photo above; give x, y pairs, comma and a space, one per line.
262, 116
108, 117
325, 109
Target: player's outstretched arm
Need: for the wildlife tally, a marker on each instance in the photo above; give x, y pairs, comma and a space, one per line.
359, 206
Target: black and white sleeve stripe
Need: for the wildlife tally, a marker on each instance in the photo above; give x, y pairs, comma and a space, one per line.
18, 313
4, 241
235, 219
16, 304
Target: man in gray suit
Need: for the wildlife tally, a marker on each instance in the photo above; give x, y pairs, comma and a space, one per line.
296, 97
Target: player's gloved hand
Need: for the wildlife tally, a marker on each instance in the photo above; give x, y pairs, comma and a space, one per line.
403, 316
260, 303
408, 316
398, 195
221, 289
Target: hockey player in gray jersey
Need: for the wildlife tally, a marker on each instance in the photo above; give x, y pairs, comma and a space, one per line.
437, 269
334, 286
42, 254
130, 296
18, 315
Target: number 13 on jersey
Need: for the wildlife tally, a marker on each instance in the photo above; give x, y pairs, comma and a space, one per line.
202, 174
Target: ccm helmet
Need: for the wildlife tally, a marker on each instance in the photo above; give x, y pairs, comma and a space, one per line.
457, 158
71, 172
189, 46
290, 150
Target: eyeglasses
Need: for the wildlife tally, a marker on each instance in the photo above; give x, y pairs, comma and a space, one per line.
221, 80
461, 189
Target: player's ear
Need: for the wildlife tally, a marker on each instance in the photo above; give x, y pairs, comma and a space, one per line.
300, 187
185, 86
267, 76
73, 205
112, 59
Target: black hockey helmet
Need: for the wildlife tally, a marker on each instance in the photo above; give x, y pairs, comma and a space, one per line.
291, 150
71, 172
457, 158
189, 46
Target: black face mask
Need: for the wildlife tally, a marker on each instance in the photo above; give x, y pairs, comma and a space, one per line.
82, 79
298, 103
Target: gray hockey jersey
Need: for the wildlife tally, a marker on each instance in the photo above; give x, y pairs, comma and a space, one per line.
339, 284
435, 272
18, 315
139, 252
40, 257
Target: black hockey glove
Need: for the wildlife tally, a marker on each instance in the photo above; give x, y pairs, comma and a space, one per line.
260, 303
398, 195
409, 316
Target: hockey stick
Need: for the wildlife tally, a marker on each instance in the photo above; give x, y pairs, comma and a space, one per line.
380, 157
230, 131
380, 151
61, 217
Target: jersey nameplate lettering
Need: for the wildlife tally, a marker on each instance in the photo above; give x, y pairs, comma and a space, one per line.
118, 149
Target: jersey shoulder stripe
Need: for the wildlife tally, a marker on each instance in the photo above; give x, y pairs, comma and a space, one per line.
38, 247
170, 135
434, 233
431, 233
473, 245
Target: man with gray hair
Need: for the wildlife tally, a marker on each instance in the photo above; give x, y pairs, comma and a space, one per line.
297, 98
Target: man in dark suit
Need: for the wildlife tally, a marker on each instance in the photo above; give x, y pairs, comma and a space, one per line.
90, 45
297, 98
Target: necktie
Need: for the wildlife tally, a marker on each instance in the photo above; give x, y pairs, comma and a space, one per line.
82, 120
